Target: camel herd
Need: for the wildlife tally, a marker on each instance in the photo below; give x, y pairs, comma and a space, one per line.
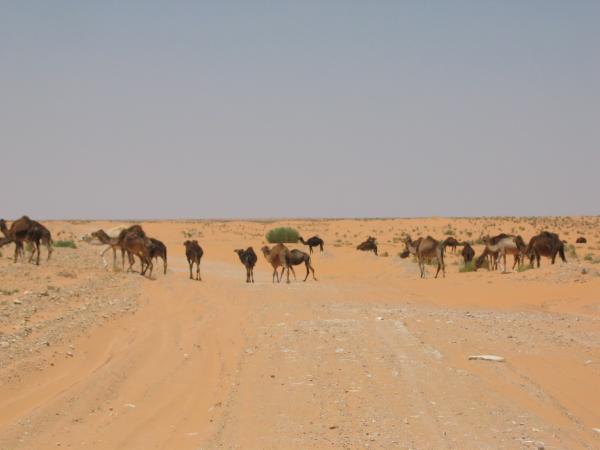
133, 242
496, 248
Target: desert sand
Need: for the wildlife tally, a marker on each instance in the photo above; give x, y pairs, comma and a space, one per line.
369, 356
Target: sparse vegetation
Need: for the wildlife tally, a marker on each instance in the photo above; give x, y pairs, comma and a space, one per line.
283, 235
469, 267
65, 244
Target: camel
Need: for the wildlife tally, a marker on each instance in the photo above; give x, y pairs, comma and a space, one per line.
427, 249
111, 242
369, 245
194, 253
452, 242
467, 253
135, 245
159, 250
298, 257
314, 241
248, 259
278, 256
500, 246
135, 230
545, 244
26, 230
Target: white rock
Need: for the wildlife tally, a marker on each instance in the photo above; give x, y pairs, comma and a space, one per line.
493, 358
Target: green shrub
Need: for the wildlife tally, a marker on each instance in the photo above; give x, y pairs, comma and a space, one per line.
524, 267
588, 257
469, 267
65, 244
449, 232
282, 235
571, 252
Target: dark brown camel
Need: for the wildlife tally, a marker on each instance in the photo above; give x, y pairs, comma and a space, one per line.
159, 250
298, 257
278, 256
369, 245
452, 243
248, 259
314, 241
194, 254
545, 244
467, 253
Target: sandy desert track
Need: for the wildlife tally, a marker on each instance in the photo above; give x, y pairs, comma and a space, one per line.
369, 356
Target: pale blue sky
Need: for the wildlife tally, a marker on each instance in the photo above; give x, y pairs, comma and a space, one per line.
120, 109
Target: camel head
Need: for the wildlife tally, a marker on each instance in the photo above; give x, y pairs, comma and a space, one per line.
266, 250
239, 251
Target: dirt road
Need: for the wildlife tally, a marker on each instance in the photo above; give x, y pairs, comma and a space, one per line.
367, 357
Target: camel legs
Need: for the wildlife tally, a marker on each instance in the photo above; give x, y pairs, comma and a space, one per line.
198, 277
191, 264
309, 266
290, 267
247, 274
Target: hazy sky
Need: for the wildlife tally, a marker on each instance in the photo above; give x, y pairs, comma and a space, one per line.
115, 109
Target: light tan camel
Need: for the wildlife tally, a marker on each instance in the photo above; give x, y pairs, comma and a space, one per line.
426, 249
110, 242
502, 245
278, 256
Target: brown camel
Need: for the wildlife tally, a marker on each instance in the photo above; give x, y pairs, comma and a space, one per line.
135, 245
369, 245
248, 259
298, 257
26, 230
135, 230
194, 253
502, 245
314, 241
159, 250
545, 244
427, 249
467, 253
278, 256
452, 243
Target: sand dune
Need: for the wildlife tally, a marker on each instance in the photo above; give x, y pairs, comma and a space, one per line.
369, 356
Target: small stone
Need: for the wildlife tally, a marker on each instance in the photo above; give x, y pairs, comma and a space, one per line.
17, 302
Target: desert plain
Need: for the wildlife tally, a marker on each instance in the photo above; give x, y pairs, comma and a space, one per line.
368, 356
